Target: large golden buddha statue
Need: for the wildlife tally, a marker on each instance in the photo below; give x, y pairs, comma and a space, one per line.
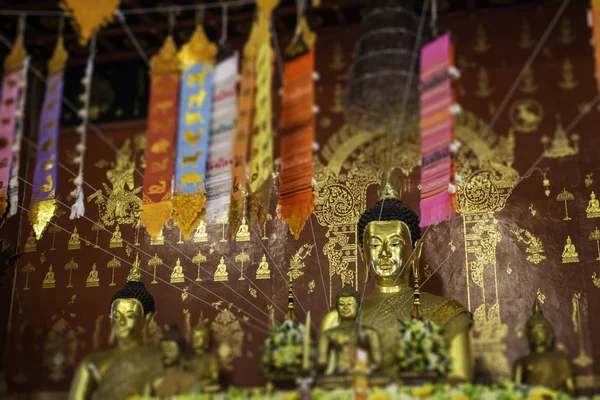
388, 233
121, 372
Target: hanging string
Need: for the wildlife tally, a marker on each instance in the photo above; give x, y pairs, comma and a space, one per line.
433, 23
224, 26
199, 16
171, 22
132, 38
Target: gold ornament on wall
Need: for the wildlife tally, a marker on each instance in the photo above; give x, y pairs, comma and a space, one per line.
93, 280
526, 115
570, 254
481, 43
595, 237
200, 235
49, 282
338, 99
154, 262
593, 208
568, 81
566, 34
60, 349
177, 275
525, 39
263, 271
70, 266
252, 291
31, 244
199, 259
528, 86
483, 84
97, 227
87, 18
541, 296
116, 240
221, 274
297, 262
74, 241
589, 179
243, 234
112, 264
229, 337
54, 229
338, 63
583, 359
565, 196
532, 210
27, 269
561, 144
241, 258
596, 280
534, 245
223, 221
159, 240
311, 286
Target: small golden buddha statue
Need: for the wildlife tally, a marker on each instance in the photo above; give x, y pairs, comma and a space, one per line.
122, 371
200, 235
221, 274
570, 254
31, 244
204, 364
544, 366
338, 345
116, 240
387, 234
593, 208
49, 282
175, 378
177, 275
92, 279
159, 241
243, 235
74, 241
263, 271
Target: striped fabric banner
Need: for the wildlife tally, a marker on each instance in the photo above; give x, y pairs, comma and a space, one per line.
437, 132
220, 151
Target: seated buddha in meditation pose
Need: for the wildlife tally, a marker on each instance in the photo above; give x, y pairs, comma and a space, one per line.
593, 208
570, 254
123, 371
387, 234
338, 345
204, 364
544, 366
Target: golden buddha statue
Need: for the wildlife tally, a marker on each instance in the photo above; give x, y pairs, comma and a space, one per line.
92, 279
175, 378
263, 271
544, 366
49, 282
570, 254
593, 208
338, 345
74, 241
204, 364
243, 235
200, 235
123, 371
177, 275
387, 234
116, 240
221, 274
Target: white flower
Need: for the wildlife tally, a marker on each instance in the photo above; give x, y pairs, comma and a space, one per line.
492, 395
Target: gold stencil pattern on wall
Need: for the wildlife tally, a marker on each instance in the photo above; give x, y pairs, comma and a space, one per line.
60, 349
560, 145
566, 34
528, 85
565, 196
481, 42
525, 40
583, 359
483, 84
120, 202
297, 262
31, 244
595, 236
27, 269
596, 280
568, 81
526, 115
229, 336
593, 207
534, 249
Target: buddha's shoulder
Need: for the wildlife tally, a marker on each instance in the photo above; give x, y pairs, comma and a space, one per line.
446, 312
105, 359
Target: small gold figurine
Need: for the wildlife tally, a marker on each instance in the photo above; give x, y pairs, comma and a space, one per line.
569, 254
31, 244
263, 271
74, 242
200, 235
243, 235
49, 282
338, 346
121, 372
159, 241
221, 274
175, 378
568, 81
92, 279
561, 144
593, 208
204, 364
116, 240
544, 366
177, 275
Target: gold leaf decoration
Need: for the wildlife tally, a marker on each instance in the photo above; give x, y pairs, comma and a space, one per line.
87, 17
59, 58
165, 62
198, 48
14, 60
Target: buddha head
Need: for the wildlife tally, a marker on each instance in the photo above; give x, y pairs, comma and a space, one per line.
347, 302
201, 337
593, 196
388, 232
131, 308
172, 345
568, 239
540, 334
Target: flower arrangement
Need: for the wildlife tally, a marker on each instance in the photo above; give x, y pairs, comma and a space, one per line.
422, 348
282, 350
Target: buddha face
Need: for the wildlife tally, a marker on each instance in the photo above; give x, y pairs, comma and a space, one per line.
200, 341
347, 308
540, 338
170, 352
127, 318
386, 248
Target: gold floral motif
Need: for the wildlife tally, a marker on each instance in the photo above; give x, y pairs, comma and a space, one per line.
596, 280
311, 286
188, 211
123, 204
252, 291
566, 34
534, 245
297, 261
229, 336
541, 296
589, 179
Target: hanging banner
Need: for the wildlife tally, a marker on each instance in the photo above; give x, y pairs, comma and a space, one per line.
245, 116
162, 129
11, 89
220, 152
437, 132
43, 203
197, 58
296, 199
